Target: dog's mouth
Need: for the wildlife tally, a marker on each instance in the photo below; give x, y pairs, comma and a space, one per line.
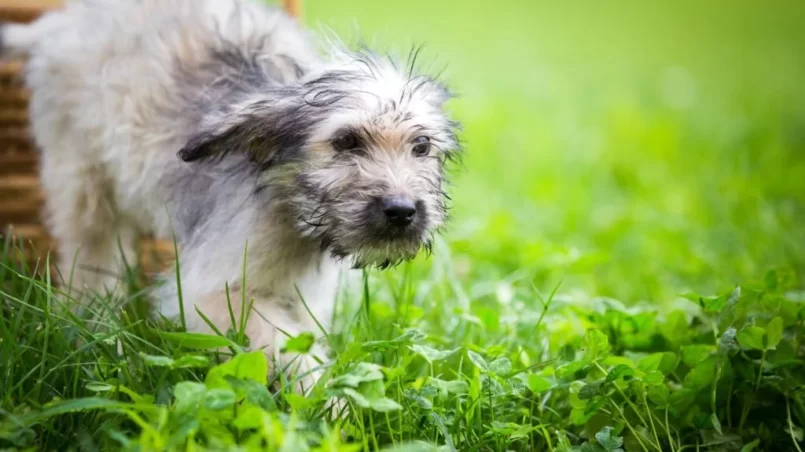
378, 247
389, 254
369, 238
391, 236
373, 247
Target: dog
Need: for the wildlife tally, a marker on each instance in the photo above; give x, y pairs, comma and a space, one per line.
223, 125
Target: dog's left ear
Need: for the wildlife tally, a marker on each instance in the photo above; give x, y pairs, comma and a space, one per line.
260, 131
232, 135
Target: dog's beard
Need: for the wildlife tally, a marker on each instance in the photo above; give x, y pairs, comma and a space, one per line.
345, 232
364, 249
388, 255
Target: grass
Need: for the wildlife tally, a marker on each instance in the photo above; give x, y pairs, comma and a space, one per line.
623, 158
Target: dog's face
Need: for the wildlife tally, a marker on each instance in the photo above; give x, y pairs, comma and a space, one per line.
355, 153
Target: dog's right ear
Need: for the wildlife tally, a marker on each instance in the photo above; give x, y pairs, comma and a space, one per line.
260, 131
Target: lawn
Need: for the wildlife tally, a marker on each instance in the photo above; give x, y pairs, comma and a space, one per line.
625, 267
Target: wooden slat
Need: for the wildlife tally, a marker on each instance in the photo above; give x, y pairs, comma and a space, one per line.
11, 70
35, 198
163, 247
13, 117
8, 148
293, 8
19, 14
21, 199
33, 236
33, 232
15, 199
19, 162
18, 183
14, 96
21, 188
36, 4
18, 135
27, 230
26, 10
29, 204
17, 212
155, 256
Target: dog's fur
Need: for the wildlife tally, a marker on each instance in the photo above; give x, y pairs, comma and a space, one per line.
218, 122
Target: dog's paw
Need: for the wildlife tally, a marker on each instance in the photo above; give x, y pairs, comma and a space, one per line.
304, 372
338, 407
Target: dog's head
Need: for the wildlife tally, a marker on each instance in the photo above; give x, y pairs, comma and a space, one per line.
355, 152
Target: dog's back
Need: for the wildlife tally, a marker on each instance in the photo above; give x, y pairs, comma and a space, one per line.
99, 67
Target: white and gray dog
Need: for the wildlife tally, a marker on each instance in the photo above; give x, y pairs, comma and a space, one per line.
218, 123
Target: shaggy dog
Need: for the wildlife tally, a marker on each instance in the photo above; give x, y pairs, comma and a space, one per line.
218, 123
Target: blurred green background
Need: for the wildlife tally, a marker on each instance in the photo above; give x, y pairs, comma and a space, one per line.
635, 149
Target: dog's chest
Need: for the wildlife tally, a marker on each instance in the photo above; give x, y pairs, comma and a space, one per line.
318, 288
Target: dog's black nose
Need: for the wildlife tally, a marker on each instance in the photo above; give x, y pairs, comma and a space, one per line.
400, 210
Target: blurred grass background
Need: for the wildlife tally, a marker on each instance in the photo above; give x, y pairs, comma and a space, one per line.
634, 149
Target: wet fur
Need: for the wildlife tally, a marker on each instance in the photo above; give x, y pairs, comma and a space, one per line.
212, 121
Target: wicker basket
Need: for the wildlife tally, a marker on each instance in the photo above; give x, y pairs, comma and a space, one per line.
21, 198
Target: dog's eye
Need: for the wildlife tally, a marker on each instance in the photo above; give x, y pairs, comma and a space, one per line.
346, 141
421, 146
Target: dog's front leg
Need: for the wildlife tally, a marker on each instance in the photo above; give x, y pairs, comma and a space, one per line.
269, 325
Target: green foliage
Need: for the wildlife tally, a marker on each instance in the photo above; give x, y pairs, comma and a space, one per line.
594, 376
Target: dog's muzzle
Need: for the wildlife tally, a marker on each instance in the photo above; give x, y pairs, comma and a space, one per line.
397, 218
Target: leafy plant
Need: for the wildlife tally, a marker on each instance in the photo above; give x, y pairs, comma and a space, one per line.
718, 372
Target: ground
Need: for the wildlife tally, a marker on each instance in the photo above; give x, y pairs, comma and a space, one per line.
631, 151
